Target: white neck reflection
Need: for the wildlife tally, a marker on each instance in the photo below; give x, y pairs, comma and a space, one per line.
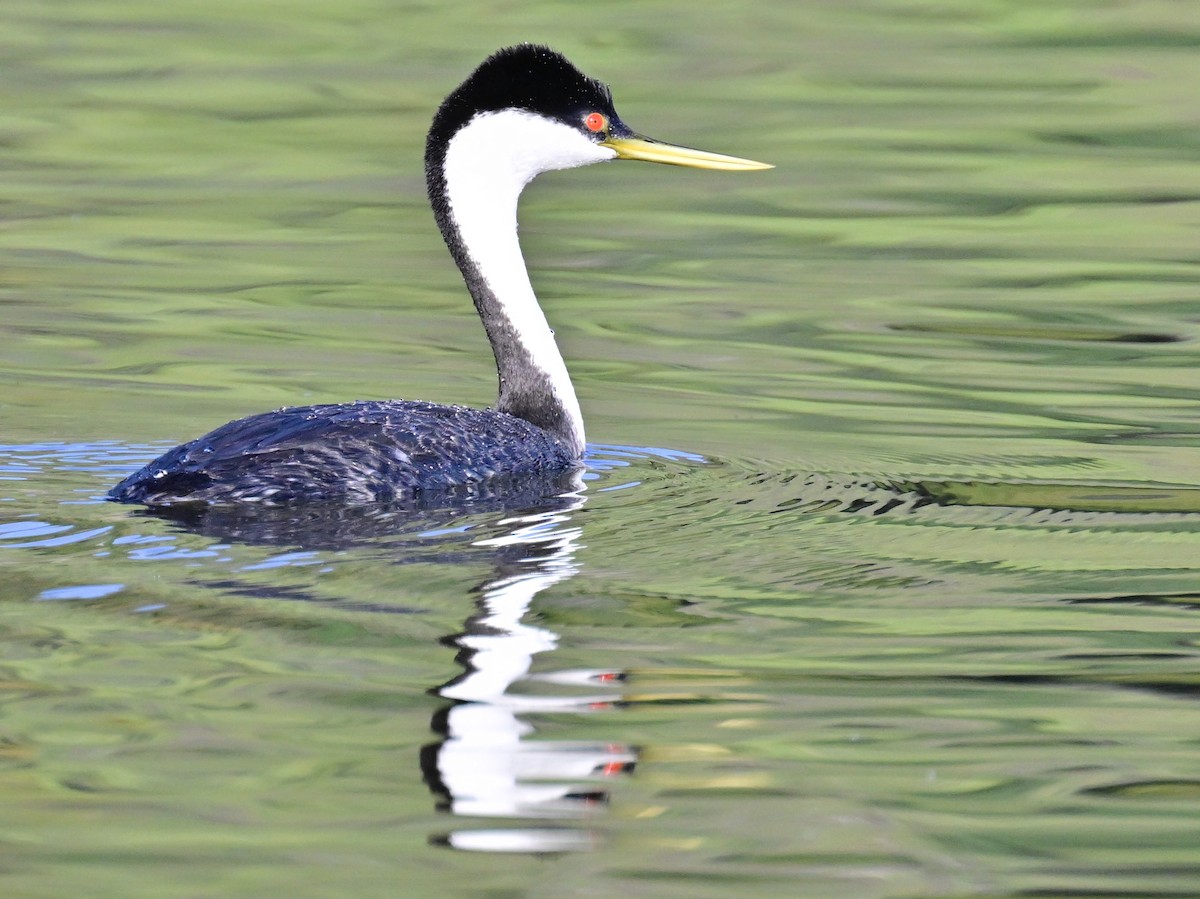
486, 765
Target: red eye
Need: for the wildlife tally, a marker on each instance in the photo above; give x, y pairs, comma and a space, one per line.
595, 121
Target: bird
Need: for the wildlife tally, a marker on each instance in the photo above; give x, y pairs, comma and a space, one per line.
523, 111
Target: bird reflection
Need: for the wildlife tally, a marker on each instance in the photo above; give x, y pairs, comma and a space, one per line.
486, 765
405, 522
487, 762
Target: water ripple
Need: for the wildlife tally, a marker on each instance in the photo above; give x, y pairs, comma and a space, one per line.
64, 535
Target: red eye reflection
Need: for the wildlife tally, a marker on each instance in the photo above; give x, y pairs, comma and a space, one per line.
595, 122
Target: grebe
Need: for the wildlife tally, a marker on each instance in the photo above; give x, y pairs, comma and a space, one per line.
524, 111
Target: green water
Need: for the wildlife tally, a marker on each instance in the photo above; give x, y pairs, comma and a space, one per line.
907, 606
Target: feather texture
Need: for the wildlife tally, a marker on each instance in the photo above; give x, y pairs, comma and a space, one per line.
347, 453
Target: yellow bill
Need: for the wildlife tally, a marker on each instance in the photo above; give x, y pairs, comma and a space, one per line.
647, 150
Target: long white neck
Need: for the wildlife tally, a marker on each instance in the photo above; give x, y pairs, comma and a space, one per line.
486, 165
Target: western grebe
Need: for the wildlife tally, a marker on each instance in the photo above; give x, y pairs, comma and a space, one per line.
524, 111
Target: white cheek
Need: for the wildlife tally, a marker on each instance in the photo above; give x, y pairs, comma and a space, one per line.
556, 147
510, 148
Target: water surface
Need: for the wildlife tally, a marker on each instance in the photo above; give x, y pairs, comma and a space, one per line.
881, 580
